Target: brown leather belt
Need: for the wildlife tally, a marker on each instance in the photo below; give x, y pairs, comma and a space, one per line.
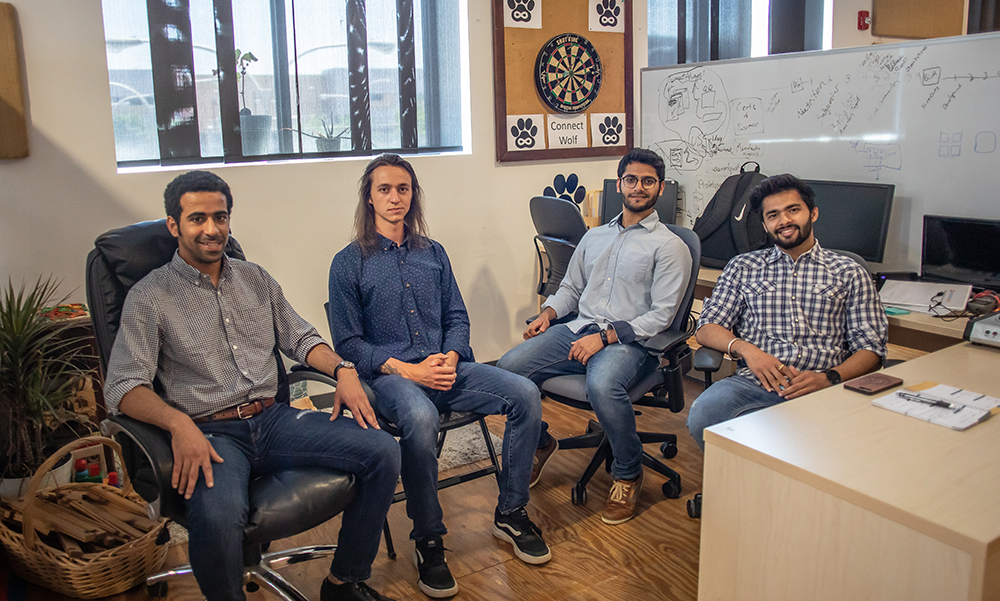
244, 411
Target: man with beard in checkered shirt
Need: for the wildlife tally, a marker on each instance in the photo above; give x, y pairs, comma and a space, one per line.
205, 326
807, 317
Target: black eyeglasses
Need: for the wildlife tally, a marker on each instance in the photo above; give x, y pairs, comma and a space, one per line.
630, 181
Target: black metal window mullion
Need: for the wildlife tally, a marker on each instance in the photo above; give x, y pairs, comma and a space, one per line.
406, 50
681, 32
358, 75
229, 93
172, 54
713, 30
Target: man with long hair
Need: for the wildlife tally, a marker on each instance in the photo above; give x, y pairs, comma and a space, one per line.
395, 311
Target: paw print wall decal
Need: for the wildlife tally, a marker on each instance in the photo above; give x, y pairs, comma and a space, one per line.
524, 133
520, 10
608, 11
611, 130
566, 188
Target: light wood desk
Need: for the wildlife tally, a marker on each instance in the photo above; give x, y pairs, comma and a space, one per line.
914, 330
829, 498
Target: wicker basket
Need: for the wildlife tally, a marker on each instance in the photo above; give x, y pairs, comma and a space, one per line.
99, 575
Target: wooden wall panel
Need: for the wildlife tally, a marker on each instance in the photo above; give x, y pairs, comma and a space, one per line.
918, 19
13, 115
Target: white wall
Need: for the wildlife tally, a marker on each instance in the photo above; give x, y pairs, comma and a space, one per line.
290, 218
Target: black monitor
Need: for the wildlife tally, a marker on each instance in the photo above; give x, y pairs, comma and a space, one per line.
666, 204
957, 249
853, 216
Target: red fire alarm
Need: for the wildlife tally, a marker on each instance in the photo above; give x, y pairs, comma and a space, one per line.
864, 20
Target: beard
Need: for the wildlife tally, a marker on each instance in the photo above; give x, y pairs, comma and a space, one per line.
637, 204
803, 235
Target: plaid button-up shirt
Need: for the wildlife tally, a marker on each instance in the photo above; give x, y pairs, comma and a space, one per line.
210, 348
811, 314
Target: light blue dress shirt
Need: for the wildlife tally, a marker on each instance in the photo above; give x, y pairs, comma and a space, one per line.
630, 278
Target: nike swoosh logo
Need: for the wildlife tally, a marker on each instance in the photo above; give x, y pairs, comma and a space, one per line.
740, 216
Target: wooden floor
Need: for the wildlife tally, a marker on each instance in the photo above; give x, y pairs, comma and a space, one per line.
652, 557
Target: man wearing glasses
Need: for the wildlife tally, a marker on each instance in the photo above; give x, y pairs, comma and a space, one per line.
624, 281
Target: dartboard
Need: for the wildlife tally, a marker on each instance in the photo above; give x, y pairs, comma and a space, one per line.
568, 73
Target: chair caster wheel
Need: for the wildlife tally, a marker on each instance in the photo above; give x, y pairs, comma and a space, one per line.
694, 507
578, 494
252, 587
668, 450
158, 590
392, 555
671, 489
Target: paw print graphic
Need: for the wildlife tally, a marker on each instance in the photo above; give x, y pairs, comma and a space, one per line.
566, 188
524, 133
521, 10
608, 11
611, 131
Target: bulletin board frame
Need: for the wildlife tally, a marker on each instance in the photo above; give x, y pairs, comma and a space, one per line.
514, 77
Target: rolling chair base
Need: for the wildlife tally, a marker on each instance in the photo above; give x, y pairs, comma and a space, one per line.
595, 437
257, 575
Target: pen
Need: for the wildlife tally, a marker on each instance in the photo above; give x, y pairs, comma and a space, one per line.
910, 396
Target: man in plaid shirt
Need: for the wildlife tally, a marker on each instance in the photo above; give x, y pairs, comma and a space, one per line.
796, 316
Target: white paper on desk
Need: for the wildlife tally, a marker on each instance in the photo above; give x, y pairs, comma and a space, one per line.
974, 408
919, 296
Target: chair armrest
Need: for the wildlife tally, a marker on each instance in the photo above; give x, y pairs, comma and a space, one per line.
150, 478
304, 373
564, 319
666, 340
707, 359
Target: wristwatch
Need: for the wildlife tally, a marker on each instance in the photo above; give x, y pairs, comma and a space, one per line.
833, 375
346, 364
604, 337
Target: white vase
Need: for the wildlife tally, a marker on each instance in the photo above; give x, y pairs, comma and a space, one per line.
14, 488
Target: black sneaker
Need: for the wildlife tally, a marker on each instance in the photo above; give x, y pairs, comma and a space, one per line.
349, 591
518, 530
435, 577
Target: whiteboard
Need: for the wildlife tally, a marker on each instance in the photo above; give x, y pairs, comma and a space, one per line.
922, 115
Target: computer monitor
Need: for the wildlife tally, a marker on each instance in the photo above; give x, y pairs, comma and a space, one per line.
666, 204
958, 249
853, 216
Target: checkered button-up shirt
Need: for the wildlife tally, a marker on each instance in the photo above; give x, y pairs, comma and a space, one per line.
812, 313
210, 348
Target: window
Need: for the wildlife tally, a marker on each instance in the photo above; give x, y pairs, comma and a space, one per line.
196, 81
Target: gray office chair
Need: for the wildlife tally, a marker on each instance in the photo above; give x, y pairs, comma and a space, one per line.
559, 226
663, 388
281, 504
666, 203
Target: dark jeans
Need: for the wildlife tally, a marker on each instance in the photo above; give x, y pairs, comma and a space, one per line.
278, 439
610, 372
478, 388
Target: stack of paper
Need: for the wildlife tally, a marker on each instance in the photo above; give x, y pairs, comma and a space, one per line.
925, 297
966, 409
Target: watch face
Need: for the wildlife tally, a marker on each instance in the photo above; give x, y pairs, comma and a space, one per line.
568, 73
833, 376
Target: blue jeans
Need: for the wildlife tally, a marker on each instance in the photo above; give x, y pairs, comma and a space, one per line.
278, 439
610, 372
727, 399
478, 388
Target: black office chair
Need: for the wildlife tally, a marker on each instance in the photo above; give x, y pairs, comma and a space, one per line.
666, 203
559, 226
448, 420
664, 388
281, 505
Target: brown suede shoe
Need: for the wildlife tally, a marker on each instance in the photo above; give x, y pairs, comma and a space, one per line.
542, 456
622, 500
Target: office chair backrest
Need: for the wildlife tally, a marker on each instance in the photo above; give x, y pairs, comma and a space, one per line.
122, 257
557, 218
856, 257
694, 246
666, 204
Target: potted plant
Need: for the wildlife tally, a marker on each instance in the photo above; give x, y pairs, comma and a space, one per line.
39, 365
326, 141
255, 130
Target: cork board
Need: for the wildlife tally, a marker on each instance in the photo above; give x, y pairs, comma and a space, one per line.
918, 19
604, 126
13, 124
